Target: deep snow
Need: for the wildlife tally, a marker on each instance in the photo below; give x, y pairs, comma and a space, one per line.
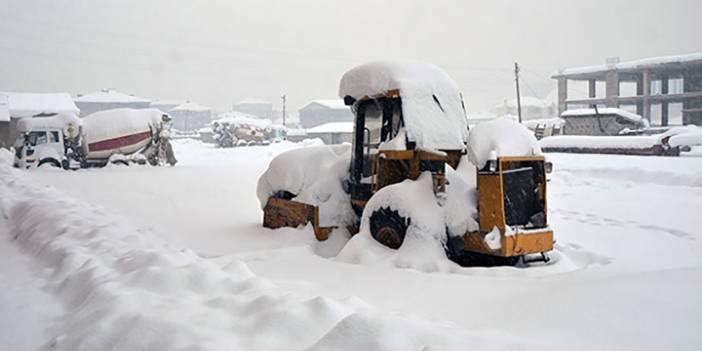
625, 275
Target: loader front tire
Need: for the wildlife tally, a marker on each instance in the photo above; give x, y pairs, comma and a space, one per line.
388, 227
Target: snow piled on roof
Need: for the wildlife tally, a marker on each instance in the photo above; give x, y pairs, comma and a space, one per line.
332, 127
500, 137
31, 104
191, 106
633, 64
334, 104
110, 95
602, 111
429, 124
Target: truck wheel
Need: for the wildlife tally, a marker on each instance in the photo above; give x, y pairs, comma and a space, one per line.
475, 259
388, 227
49, 161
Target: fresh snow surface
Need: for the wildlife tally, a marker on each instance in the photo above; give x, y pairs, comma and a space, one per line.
126, 289
626, 270
603, 111
432, 125
500, 137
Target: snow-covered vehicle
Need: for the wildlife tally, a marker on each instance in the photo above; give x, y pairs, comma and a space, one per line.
415, 170
119, 136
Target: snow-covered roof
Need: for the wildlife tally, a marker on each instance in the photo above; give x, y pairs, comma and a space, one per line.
432, 105
110, 95
334, 104
32, 104
602, 111
332, 127
191, 106
647, 62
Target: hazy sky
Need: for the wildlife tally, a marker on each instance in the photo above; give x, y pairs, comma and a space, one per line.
218, 52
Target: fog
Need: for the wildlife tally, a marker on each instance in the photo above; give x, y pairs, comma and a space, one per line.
219, 52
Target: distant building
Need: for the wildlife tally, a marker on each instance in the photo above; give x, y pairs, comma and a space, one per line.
190, 116
108, 99
318, 112
532, 108
167, 105
256, 107
14, 106
332, 133
659, 82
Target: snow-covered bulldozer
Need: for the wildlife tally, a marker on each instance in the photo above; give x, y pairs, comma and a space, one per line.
415, 169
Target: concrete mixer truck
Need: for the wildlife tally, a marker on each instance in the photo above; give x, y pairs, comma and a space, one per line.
112, 136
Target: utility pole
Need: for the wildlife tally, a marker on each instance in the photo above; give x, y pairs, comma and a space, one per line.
519, 99
284, 100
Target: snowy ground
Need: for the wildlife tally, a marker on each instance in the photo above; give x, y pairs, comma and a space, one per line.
158, 252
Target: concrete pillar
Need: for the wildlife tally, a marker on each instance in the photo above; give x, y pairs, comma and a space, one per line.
664, 105
562, 94
592, 88
639, 92
646, 84
612, 97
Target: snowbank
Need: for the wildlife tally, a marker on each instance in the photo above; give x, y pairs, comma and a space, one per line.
6, 157
127, 290
431, 124
315, 175
500, 137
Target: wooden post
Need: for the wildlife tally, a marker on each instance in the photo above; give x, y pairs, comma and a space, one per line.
519, 99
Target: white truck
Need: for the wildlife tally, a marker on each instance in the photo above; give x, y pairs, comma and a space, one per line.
118, 136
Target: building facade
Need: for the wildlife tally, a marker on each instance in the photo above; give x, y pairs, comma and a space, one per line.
319, 112
659, 82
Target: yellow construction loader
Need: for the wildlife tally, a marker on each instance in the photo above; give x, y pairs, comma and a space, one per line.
417, 110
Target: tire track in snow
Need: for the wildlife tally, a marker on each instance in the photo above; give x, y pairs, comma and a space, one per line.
598, 220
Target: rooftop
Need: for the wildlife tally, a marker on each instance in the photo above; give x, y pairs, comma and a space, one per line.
20, 105
109, 95
334, 104
652, 62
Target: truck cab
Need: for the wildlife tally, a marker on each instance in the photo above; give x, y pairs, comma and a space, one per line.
40, 146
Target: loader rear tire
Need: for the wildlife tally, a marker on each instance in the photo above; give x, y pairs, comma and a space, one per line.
388, 227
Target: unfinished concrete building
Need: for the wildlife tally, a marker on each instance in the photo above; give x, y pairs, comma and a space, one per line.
659, 82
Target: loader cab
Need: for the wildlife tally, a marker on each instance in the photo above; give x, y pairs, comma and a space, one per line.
377, 120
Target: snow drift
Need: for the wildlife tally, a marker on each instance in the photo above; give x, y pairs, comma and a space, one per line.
128, 290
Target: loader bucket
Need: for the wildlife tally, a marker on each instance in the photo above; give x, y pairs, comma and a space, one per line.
280, 213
